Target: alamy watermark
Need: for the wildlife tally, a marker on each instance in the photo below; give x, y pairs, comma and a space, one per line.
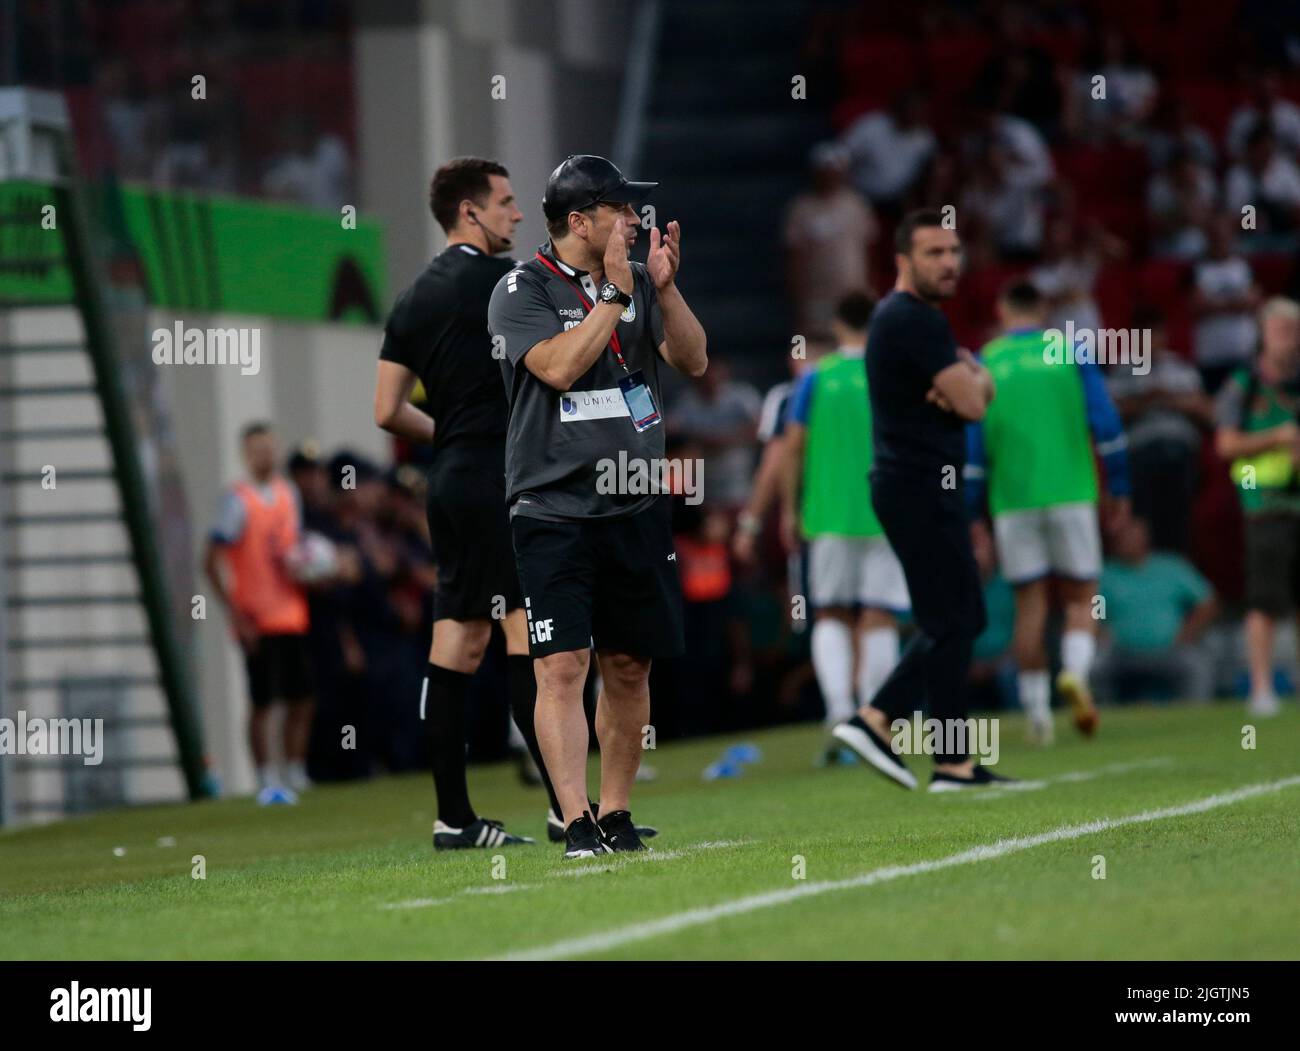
1102, 346
916, 736
24, 736
180, 345
637, 476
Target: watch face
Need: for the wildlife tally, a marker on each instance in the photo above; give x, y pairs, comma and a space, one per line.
609, 293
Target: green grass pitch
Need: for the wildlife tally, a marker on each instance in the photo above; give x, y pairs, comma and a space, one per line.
321, 880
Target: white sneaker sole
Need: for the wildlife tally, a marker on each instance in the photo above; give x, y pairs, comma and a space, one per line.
870, 752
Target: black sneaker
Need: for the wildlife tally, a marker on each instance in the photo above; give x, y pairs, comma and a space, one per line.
582, 839
982, 777
619, 832
479, 833
874, 750
555, 826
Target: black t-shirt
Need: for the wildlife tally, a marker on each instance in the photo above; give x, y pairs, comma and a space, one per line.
909, 343
438, 330
564, 448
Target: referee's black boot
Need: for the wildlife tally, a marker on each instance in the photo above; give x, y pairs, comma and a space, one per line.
478, 833
619, 832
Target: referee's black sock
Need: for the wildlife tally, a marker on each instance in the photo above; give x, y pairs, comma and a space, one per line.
523, 705
444, 721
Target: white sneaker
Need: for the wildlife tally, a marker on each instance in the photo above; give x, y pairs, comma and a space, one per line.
1040, 731
295, 776
1264, 705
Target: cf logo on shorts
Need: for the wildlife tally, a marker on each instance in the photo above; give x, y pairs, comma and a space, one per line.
538, 630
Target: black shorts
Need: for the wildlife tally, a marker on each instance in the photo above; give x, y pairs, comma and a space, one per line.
1273, 563
470, 530
611, 581
279, 669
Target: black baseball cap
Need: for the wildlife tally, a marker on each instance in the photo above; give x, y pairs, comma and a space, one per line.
583, 180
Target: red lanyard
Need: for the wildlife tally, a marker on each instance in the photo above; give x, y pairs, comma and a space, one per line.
614, 344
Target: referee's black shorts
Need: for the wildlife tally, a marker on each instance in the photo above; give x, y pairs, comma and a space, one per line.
611, 581
469, 527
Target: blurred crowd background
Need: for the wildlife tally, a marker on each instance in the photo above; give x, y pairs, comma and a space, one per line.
1106, 149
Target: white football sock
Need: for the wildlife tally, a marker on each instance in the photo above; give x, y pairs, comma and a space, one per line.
266, 776
1077, 650
832, 657
1035, 694
878, 655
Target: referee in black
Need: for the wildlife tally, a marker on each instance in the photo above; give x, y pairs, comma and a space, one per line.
924, 391
437, 333
584, 331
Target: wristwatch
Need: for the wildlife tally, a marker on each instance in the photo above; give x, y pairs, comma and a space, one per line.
611, 293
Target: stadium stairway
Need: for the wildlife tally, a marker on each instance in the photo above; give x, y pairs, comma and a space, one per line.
87, 629
729, 146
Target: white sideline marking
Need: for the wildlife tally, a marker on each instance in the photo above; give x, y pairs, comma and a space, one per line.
424, 903
608, 864
707, 914
1070, 777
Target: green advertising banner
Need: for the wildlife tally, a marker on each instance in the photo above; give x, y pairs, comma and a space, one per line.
215, 254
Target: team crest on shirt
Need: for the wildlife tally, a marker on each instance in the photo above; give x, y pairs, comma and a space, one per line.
628, 315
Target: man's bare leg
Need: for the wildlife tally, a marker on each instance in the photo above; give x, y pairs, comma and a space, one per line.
622, 713
562, 727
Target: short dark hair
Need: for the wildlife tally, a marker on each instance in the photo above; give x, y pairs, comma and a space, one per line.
912, 222
459, 179
1022, 295
254, 430
559, 226
854, 311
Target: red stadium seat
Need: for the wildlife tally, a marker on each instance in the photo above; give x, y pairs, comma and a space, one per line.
875, 68
1273, 272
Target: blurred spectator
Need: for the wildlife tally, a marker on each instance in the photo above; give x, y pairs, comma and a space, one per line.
131, 119
249, 566
1266, 179
889, 150
766, 488
715, 675
1174, 132
1180, 201
1256, 414
720, 415
312, 167
1068, 272
829, 231
1157, 608
1123, 99
1013, 145
1007, 214
1266, 106
1165, 412
1008, 171
1224, 297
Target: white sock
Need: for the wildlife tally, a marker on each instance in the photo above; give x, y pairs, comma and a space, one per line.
1077, 650
832, 657
265, 776
295, 772
876, 660
1035, 694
